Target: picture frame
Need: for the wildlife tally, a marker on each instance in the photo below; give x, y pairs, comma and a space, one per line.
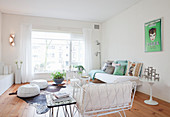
153, 33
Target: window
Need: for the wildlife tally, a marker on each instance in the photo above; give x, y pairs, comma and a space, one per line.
53, 51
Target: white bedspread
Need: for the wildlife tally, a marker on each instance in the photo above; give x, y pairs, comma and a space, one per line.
109, 78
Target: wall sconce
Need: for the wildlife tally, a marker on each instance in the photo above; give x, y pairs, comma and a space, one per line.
11, 39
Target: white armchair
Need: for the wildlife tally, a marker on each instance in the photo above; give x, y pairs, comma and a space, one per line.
103, 99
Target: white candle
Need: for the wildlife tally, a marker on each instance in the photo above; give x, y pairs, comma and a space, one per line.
9, 69
5, 70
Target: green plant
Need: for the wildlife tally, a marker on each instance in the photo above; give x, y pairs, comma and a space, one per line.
80, 68
58, 75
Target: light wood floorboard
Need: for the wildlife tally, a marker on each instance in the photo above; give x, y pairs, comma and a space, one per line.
12, 106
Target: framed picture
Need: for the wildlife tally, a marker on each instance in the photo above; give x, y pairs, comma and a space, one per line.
153, 36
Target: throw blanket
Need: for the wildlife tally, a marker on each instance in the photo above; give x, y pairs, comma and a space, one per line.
93, 72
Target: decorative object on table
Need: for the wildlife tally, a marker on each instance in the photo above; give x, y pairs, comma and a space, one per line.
60, 97
18, 72
153, 36
98, 53
80, 68
41, 83
58, 77
11, 39
150, 76
39, 101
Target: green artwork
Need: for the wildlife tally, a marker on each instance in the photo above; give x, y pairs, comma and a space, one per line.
153, 36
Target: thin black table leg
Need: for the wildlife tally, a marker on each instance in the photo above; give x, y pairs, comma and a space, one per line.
71, 111
65, 114
52, 112
66, 110
57, 112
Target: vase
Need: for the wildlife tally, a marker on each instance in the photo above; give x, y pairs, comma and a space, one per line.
1, 68
58, 81
18, 76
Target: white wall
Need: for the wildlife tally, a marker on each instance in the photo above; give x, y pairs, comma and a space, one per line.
123, 38
0, 34
11, 24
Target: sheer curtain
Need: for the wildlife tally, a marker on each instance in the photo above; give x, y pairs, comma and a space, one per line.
87, 35
25, 52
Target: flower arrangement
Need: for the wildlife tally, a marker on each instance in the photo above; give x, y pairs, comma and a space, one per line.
80, 68
18, 64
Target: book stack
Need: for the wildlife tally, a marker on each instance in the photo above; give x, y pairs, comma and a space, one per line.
60, 97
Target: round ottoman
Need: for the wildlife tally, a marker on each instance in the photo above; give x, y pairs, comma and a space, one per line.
41, 83
28, 90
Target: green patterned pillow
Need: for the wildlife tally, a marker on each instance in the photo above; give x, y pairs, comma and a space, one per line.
119, 70
122, 62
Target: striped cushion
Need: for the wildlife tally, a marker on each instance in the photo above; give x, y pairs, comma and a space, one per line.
133, 69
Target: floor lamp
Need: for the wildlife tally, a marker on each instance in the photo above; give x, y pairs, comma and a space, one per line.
98, 53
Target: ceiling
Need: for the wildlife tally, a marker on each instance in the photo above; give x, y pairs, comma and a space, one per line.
84, 10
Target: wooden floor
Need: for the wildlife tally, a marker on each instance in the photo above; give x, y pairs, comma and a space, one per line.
11, 106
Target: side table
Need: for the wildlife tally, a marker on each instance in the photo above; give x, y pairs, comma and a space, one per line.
150, 101
84, 79
51, 104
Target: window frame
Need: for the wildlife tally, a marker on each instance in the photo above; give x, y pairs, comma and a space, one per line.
46, 76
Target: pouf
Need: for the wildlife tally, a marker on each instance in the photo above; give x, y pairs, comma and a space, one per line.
41, 83
28, 90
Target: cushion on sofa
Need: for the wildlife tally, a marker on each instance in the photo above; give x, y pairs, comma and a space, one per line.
106, 64
133, 69
110, 69
119, 70
122, 62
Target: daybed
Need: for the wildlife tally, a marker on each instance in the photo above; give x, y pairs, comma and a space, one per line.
132, 72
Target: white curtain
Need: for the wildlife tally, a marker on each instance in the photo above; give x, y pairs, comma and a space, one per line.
25, 52
87, 35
